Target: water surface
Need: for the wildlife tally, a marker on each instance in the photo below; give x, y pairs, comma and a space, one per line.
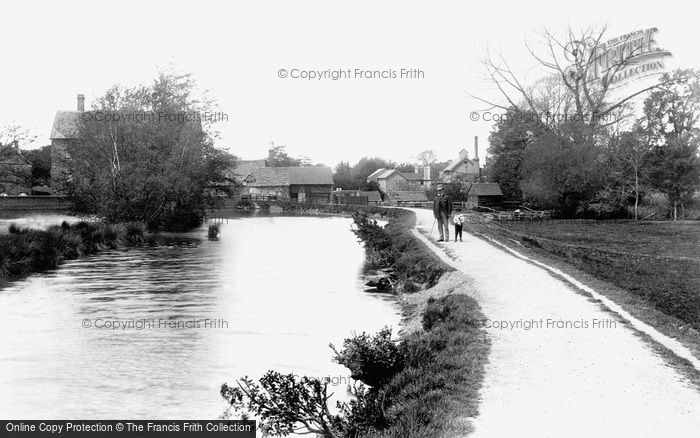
275, 290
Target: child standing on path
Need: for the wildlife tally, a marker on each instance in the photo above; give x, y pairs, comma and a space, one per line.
459, 222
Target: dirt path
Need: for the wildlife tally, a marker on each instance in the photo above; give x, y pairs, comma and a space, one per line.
601, 381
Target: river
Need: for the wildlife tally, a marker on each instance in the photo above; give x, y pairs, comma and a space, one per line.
271, 293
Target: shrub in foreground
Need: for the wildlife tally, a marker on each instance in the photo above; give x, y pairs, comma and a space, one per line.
408, 389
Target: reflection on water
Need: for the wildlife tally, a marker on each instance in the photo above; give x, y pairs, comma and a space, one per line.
285, 286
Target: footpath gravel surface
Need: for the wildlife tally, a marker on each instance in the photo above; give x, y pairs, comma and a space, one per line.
561, 365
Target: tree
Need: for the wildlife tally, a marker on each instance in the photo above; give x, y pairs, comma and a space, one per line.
156, 164
12, 138
670, 117
342, 176
573, 98
367, 165
626, 162
405, 167
507, 144
370, 186
456, 190
40, 160
427, 157
560, 174
675, 171
277, 157
15, 135
571, 108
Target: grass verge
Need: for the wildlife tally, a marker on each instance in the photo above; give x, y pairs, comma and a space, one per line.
437, 393
651, 269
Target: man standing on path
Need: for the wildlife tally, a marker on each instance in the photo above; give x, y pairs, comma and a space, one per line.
442, 208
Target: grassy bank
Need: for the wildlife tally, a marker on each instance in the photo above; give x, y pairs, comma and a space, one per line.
652, 269
437, 392
424, 385
23, 250
395, 249
445, 348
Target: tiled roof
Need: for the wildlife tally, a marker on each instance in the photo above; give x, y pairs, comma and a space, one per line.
286, 176
485, 189
317, 175
412, 176
246, 167
454, 164
269, 176
387, 173
65, 125
407, 196
374, 174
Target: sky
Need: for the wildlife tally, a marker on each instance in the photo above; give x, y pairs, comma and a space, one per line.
52, 51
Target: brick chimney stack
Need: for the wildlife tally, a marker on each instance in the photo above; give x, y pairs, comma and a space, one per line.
476, 147
81, 102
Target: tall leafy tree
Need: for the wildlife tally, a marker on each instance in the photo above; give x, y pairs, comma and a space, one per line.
670, 119
507, 144
342, 176
561, 174
625, 161
675, 171
156, 162
40, 160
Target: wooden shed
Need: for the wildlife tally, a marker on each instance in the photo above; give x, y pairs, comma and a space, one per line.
484, 195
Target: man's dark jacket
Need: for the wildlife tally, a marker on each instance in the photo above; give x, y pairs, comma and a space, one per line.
442, 205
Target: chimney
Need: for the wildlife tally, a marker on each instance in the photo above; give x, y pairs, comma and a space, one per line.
416, 169
476, 147
81, 102
426, 173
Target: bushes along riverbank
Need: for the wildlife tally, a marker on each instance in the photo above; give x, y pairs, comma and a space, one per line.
424, 385
23, 250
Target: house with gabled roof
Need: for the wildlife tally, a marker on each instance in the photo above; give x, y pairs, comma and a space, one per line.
388, 179
296, 184
463, 167
421, 177
63, 132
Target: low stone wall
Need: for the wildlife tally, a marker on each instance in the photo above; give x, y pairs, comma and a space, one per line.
40, 203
